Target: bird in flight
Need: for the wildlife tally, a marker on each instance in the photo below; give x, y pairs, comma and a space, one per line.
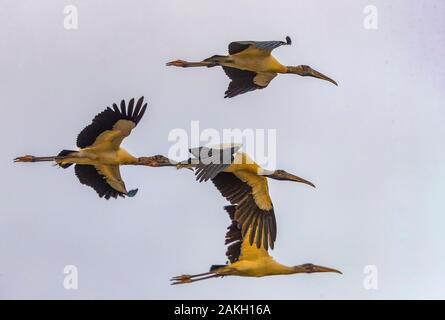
247, 260
244, 184
251, 66
100, 153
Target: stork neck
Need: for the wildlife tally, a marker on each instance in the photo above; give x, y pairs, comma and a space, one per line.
295, 70
282, 269
297, 269
265, 172
125, 157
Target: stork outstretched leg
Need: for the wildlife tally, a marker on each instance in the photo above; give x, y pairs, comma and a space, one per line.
186, 278
186, 64
29, 158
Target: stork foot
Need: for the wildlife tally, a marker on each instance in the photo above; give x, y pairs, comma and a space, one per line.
185, 278
177, 63
26, 158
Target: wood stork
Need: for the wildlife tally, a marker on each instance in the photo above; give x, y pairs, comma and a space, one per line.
247, 260
99, 156
243, 183
251, 66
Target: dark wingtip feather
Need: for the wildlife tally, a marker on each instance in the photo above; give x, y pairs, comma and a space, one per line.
141, 114
123, 108
132, 193
138, 105
288, 40
231, 211
130, 107
259, 239
106, 120
140, 100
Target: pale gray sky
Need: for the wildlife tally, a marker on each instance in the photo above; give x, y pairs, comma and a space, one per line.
374, 147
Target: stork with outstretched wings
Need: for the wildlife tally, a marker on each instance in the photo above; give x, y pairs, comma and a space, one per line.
100, 154
247, 260
251, 66
243, 183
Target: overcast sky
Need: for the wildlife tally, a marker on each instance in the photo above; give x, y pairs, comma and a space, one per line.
374, 146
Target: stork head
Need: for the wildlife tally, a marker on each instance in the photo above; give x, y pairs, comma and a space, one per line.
156, 161
283, 175
312, 268
306, 71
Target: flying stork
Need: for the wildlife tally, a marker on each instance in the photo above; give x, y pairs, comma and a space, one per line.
243, 183
100, 153
251, 66
247, 260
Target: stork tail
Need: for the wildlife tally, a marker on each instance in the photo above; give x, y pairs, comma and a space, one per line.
62, 154
215, 60
215, 267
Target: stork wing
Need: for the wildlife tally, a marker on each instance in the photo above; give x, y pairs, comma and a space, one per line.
212, 161
256, 47
254, 210
106, 180
112, 125
238, 246
244, 81
263, 79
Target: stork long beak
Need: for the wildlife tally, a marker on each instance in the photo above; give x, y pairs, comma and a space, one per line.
312, 268
326, 269
156, 161
162, 161
292, 177
314, 73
